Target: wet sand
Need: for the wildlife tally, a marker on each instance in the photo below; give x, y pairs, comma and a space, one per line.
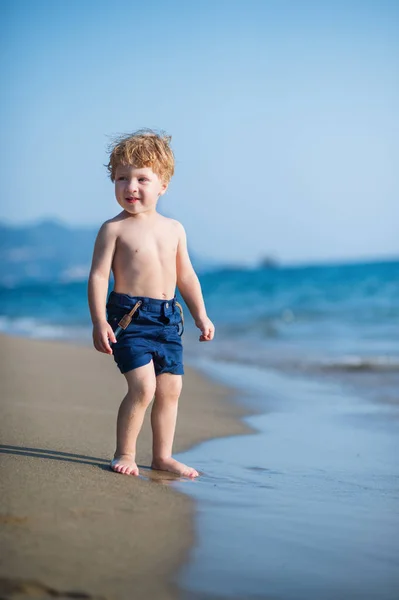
68, 523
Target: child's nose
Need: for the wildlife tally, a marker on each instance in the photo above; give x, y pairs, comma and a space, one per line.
133, 185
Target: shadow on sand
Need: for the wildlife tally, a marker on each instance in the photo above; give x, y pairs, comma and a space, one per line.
102, 463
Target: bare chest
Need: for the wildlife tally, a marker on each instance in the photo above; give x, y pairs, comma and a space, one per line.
141, 246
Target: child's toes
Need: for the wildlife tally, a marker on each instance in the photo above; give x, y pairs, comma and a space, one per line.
125, 466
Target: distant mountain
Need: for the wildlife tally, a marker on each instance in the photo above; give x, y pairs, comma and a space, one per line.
45, 251
48, 251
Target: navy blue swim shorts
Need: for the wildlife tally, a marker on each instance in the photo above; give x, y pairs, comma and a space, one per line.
154, 333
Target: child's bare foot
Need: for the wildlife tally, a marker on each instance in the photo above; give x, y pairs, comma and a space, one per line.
174, 466
124, 464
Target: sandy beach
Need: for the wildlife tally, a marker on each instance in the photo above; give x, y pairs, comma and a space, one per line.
69, 524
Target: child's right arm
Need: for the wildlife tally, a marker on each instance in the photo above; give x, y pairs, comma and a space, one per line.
103, 254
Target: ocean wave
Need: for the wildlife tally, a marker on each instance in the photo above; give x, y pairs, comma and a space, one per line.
35, 328
362, 363
299, 358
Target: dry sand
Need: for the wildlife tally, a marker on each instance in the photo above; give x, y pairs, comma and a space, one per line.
68, 523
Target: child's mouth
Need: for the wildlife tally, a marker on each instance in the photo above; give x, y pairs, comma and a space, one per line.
132, 200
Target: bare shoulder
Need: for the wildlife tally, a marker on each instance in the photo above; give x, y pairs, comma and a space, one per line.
172, 226
116, 221
112, 226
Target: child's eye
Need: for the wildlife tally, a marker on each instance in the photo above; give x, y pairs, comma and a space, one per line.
143, 179
121, 178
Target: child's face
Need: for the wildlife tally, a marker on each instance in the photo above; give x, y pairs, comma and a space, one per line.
137, 189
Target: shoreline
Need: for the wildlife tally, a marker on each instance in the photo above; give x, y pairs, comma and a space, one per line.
64, 527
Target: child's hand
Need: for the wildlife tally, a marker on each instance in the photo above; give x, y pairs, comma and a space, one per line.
102, 335
207, 329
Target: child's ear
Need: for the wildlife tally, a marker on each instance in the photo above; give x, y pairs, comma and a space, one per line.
164, 187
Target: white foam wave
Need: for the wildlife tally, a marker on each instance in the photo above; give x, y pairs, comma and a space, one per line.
363, 363
34, 328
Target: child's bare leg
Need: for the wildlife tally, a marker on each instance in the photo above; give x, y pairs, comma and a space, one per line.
141, 388
163, 422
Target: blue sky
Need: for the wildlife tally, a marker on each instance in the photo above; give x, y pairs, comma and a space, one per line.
284, 116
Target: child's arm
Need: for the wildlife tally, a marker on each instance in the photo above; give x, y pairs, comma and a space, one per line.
104, 249
190, 289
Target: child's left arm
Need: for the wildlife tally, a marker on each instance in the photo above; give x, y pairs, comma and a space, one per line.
190, 289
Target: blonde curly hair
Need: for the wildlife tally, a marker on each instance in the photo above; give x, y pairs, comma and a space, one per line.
143, 148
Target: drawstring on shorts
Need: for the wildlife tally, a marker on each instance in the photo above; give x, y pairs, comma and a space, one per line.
179, 306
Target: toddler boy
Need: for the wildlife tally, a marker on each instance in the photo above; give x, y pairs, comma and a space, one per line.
147, 253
